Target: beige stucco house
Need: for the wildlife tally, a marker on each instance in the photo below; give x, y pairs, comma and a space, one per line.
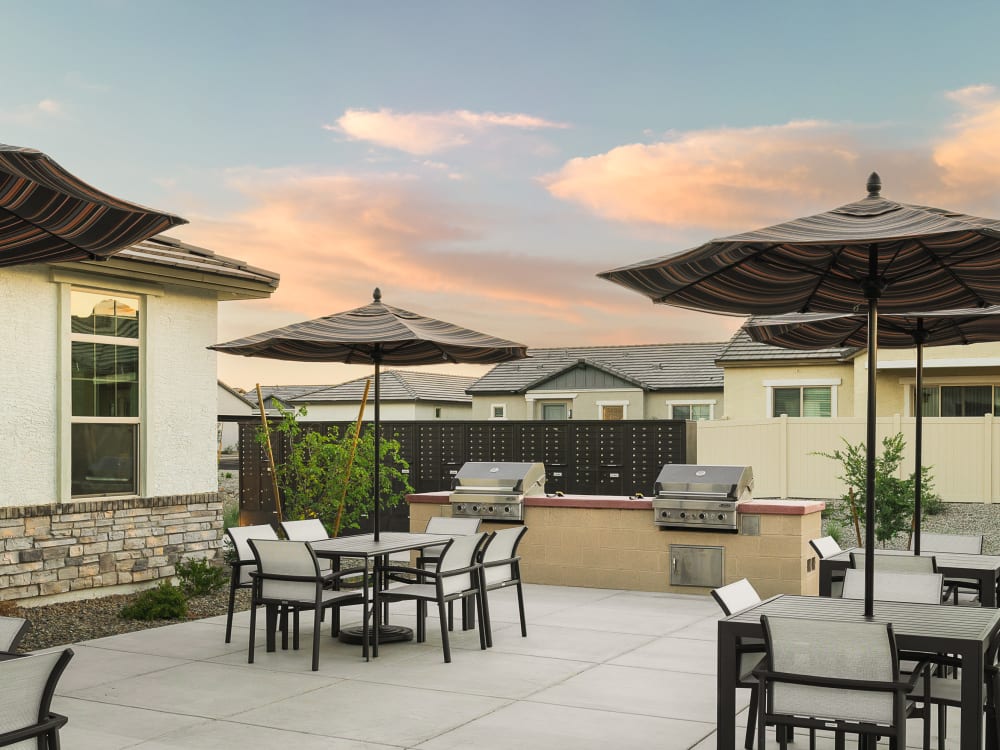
657, 381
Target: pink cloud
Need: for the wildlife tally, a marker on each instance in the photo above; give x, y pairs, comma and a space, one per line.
967, 154
334, 238
425, 133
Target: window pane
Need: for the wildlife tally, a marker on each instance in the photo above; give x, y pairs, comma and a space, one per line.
786, 401
816, 402
701, 411
104, 459
553, 411
104, 314
977, 400
681, 411
996, 400
499, 411
932, 401
105, 380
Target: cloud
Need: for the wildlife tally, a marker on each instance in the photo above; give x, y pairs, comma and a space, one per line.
424, 133
967, 153
28, 114
335, 237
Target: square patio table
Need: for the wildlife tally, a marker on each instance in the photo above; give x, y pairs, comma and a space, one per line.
365, 547
983, 568
963, 631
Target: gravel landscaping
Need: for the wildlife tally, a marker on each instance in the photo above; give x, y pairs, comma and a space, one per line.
71, 622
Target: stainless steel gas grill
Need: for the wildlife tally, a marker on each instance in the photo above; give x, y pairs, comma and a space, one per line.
495, 490
693, 497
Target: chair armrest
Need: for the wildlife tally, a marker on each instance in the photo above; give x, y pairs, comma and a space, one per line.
847, 683
51, 721
417, 572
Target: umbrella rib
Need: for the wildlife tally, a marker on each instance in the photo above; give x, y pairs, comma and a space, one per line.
954, 277
826, 274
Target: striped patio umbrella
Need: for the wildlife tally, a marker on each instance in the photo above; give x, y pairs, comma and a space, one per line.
874, 253
47, 214
376, 334
895, 331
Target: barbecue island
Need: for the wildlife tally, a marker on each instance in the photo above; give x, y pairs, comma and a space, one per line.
616, 542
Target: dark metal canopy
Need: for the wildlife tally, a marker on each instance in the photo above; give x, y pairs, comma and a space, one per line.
895, 331
47, 214
873, 253
376, 334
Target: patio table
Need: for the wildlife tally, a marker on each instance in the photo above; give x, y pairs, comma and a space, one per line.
365, 547
984, 568
963, 631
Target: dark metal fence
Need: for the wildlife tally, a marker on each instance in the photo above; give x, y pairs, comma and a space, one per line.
580, 457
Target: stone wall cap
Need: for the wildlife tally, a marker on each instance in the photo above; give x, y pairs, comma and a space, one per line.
774, 507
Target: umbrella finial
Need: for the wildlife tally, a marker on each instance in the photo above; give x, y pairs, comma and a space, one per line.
377, 295
874, 185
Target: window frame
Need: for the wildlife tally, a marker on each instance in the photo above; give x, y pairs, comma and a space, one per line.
710, 403
801, 384
502, 409
68, 284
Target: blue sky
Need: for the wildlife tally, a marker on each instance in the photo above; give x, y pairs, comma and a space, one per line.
482, 161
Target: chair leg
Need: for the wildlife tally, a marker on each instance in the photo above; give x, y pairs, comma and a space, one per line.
233, 583
253, 630
520, 608
487, 622
271, 619
751, 719
421, 621
317, 624
482, 619
445, 646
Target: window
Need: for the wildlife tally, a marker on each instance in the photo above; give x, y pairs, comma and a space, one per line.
960, 400
437, 412
552, 412
498, 411
613, 412
802, 401
104, 383
692, 410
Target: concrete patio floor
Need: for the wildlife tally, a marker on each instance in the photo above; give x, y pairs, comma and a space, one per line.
599, 669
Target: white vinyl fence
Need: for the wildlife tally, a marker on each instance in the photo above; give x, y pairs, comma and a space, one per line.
962, 453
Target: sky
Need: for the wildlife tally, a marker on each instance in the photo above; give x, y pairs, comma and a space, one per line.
481, 162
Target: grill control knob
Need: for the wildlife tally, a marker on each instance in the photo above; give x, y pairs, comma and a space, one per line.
664, 514
460, 508
683, 514
722, 516
701, 516
475, 508
507, 509
491, 509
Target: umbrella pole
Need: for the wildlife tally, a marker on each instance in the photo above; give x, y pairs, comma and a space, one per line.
872, 292
918, 442
378, 452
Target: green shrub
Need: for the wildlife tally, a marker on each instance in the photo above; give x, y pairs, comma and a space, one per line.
165, 602
198, 577
231, 516
836, 533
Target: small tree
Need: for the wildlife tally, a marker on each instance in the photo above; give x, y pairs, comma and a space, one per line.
314, 475
893, 496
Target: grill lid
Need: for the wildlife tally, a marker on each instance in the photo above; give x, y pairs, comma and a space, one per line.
500, 476
721, 481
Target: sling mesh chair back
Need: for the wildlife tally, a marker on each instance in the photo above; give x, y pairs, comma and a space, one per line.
891, 586
288, 577
502, 568
827, 546
732, 598
244, 563
897, 563
457, 575
27, 685
833, 675
445, 525
965, 544
12, 629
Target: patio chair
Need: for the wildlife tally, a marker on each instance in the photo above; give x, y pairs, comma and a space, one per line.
966, 544
311, 530
897, 563
732, 598
935, 690
457, 575
288, 577
27, 685
826, 546
428, 557
240, 568
502, 568
12, 629
892, 586
834, 675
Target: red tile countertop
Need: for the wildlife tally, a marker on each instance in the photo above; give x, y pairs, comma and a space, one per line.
762, 507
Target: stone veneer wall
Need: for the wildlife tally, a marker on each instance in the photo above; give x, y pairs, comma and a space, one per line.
622, 549
56, 549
